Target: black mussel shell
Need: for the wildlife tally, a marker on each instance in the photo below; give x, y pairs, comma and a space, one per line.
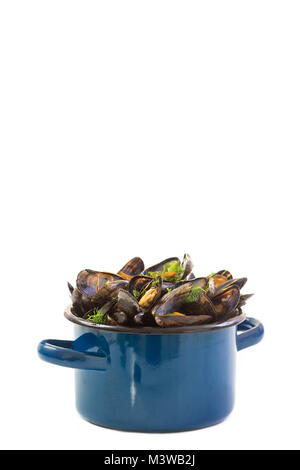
229, 284
197, 281
225, 273
190, 277
182, 320
138, 283
159, 266
219, 279
201, 306
127, 303
80, 302
120, 318
172, 301
90, 282
185, 299
132, 268
167, 287
71, 288
146, 290
151, 294
187, 265
227, 302
144, 319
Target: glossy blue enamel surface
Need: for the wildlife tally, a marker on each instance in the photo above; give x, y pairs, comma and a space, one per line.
153, 382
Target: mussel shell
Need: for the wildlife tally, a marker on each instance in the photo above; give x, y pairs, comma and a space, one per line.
71, 288
80, 302
178, 301
211, 289
159, 266
132, 268
120, 318
150, 289
138, 283
187, 265
89, 282
172, 301
167, 286
203, 306
197, 281
144, 319
225, 273
219, 279
240, 282
152, 293
182, 320
227, 302
127, 303
190, 277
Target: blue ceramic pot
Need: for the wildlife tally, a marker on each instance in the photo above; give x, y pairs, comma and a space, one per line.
154, 380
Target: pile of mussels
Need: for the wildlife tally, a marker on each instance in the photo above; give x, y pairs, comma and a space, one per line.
166, 294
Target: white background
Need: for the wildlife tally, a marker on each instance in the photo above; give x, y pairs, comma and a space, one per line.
148, 128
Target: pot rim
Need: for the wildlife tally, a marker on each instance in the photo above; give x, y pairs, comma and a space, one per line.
150, 330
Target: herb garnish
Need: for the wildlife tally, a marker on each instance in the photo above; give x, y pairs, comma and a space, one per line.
171, 271
155, 282
98, 316
194, 294
136, 294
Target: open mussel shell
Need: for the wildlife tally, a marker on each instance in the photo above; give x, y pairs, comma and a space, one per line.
80, 302
127, 303
99, 286
144, 319
151, 293
178, 319
132, 268
240, 282
146, 290
172, 301
187, 265
201, 306
227, 302
159, 266
185, 299
167, 287
138, 283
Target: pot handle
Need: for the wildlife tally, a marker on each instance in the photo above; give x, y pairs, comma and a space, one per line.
62, 353
251, 332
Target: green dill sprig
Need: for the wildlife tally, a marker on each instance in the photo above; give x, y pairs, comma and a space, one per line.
98, 317
173, 267
136, 294
194, 294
